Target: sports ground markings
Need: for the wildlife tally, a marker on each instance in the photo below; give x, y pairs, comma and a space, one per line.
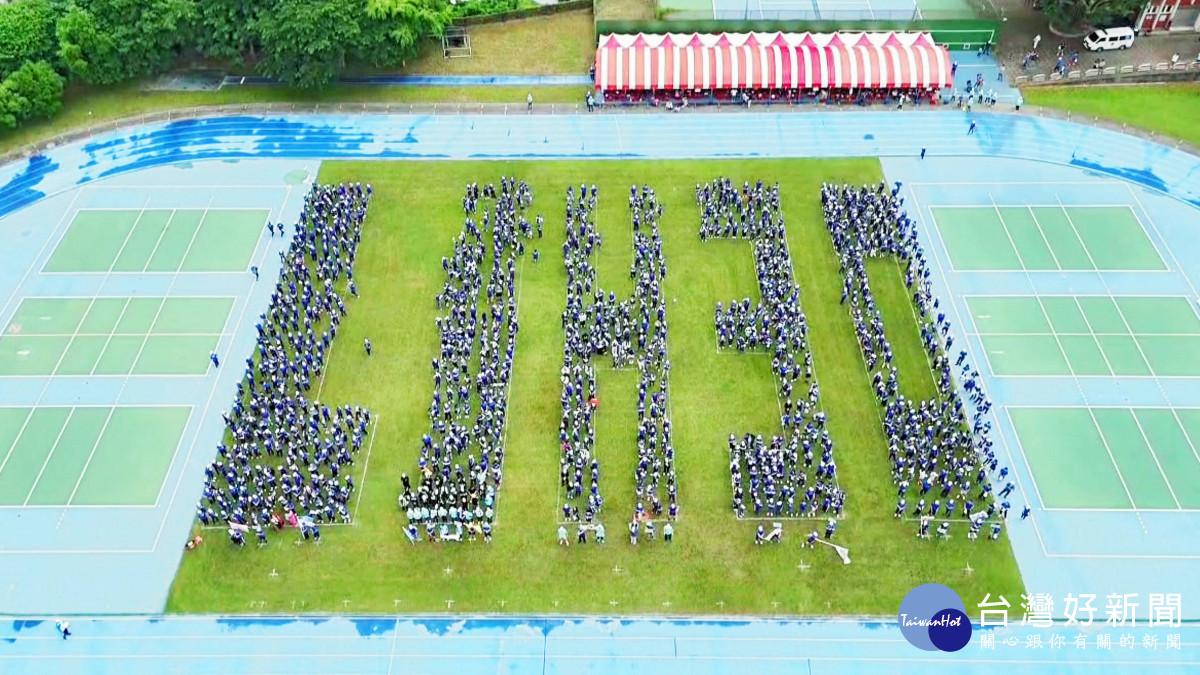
954, 307
1003, 436
54, 439
1062, 442
1046, 238
1098, 336
228, 236
77, 333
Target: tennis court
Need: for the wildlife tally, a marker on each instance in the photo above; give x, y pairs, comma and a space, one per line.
1046, 238
113, 335
1112, 458
1088, 335
87, 455
158, 240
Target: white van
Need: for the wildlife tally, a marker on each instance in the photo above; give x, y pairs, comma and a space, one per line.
1108, 39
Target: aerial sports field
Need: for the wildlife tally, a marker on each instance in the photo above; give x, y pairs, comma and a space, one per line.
1062, 255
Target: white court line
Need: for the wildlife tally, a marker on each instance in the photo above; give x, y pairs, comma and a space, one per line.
1030, 206
203, 415
74, 334
91, 454
170, 208
108, 341
231, 334
1157, 233
49, 239
996, 415
1041, 232
1074, 509
49, 455
1183, 429
146, 266
1053, 332
59, 507
1154, 455
1095, 339
1096, 183
130, 235
198, 186
150, 297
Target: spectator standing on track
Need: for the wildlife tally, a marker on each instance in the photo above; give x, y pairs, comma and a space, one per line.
216, 360
63, 627
529, 102
254, 271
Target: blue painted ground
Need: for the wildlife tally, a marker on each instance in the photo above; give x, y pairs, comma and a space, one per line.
122, 559
467, 646
1094, 553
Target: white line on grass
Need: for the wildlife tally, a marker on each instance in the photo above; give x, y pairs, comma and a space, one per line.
17, 440
366, 464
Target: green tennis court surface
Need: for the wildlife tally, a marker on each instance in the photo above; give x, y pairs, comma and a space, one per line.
158, 240
87, 456
1046, 238
1088, 335
113, 336
1112, 458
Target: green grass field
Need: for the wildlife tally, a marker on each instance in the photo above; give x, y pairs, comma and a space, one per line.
713, 565
1168, 109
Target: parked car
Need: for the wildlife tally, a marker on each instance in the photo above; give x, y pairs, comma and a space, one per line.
1107, 39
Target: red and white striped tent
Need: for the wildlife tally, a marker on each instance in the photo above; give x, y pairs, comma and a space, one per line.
675, 61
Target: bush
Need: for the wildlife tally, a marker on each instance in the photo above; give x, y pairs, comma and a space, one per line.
488, 7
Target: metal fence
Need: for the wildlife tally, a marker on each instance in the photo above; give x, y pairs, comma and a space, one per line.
1147, 71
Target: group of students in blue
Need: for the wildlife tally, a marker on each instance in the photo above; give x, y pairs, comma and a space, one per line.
633, 333
289, 459
939, 448
791, 474
459, 467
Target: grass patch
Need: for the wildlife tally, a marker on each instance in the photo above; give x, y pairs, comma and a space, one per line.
556, 44
625, 10
1168, 109
886, 276
413, 218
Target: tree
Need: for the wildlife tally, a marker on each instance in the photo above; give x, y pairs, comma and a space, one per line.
306, 42
395, 28
227, 29
36, 91
1069, 14
26, 33
107, 41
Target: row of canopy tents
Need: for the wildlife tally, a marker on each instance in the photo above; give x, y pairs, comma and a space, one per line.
728, 61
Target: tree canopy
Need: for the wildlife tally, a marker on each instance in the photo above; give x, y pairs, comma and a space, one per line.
304, 43
1068, 14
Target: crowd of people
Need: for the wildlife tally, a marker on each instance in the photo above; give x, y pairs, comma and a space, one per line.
933, 446
633, 333
791, 474
288, 461
459, 467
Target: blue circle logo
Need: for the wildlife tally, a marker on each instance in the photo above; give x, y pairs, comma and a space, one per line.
932, 617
